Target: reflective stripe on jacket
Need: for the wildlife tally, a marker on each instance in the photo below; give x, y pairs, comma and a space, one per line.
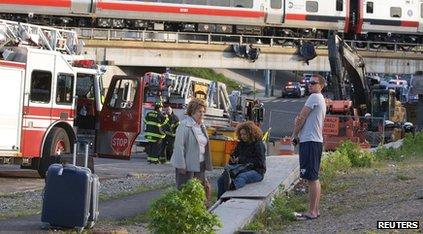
155, 121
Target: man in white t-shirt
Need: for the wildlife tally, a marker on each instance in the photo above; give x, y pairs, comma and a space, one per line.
309, 130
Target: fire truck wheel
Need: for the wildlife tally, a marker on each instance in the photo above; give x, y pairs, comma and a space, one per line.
57, 143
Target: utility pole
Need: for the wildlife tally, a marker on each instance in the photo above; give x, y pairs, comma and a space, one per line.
267, 82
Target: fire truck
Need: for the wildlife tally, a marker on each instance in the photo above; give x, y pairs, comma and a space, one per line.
176, 91
50, 97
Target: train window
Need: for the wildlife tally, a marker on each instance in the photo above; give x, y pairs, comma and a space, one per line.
276, 4
396, 12
171, 1
339, 5
369, 7
421, 10
242, 3
196, 2
40, 86
224, 3
150, 0
64, 89
312, 6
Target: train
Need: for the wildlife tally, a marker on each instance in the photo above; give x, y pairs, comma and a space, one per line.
373, 20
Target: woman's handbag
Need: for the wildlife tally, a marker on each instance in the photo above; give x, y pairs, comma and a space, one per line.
236, 169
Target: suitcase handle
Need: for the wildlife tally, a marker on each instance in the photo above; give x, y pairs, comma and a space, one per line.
75, 150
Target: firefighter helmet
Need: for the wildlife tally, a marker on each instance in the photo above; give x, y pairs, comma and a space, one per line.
158, 104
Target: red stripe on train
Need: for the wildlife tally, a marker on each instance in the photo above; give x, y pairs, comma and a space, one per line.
412, 24
295, 16
51, 3
178, 10
12, 64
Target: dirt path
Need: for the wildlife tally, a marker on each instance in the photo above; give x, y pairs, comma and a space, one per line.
355, 201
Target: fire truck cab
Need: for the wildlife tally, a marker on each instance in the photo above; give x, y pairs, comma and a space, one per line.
50, 97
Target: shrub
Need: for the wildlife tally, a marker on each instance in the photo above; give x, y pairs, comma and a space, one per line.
383, 153
183, 211
357, 156
333, 163
412, 145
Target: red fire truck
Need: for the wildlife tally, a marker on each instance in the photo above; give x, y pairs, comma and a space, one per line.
50, 97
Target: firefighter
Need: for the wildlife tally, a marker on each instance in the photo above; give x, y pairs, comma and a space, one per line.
170, 130
258, 113
155, 122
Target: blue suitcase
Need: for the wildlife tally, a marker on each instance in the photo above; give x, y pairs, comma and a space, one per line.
70, 196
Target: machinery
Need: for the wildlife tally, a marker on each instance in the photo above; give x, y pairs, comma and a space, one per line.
354, 97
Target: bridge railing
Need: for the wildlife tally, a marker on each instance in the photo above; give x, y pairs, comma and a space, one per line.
219, 39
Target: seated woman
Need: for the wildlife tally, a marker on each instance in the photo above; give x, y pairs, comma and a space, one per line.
249, 150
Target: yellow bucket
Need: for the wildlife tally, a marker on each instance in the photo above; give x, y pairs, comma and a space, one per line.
217, 148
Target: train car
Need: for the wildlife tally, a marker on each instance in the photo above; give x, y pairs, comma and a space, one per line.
358, 19
392, 21
317, 15
185, 15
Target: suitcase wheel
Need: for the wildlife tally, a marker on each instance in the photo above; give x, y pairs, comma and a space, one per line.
45, 226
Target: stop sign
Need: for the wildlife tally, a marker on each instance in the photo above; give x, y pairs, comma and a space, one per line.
120, 142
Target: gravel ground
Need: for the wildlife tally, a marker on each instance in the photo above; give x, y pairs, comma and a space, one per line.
358, 199
29, 202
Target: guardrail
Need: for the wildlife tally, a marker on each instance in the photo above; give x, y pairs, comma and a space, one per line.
219, 39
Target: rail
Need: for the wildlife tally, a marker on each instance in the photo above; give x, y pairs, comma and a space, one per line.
219, 39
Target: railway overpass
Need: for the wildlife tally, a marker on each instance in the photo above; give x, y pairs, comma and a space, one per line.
161, 49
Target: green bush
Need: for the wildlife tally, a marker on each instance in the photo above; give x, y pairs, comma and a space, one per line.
357, 156
383, 153
333, 163
183, 211
412, 145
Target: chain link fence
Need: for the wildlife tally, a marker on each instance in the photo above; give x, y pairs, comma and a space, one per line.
366, 131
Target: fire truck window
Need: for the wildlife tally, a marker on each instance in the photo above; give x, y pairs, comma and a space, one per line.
369, 7
276, 4
196, 2
396, 12
124, 93
312, 6
224, 3
40, 86
85, 86
339, 5
64, 89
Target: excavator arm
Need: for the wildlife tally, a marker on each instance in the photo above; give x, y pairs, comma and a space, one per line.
347, 66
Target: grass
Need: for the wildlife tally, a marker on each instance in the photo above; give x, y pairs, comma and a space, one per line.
35, 208
278, 214
350, 186
209, 74
21, 213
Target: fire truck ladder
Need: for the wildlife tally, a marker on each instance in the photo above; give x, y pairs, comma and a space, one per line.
49, 38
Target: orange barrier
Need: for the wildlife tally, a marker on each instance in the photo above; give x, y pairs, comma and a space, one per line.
286, 147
